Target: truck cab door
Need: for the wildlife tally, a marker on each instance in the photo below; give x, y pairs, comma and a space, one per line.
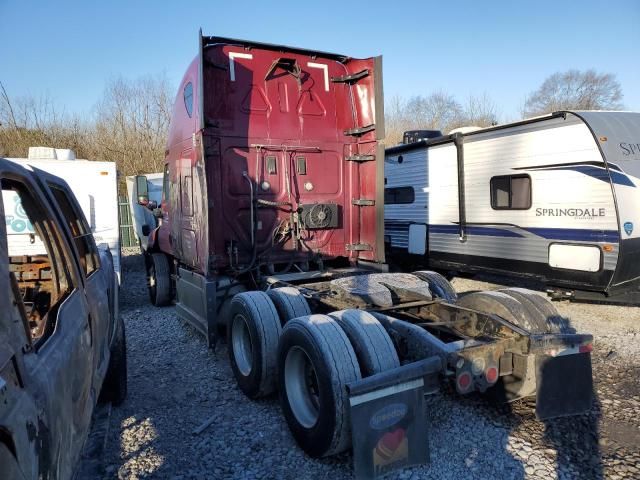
58, 369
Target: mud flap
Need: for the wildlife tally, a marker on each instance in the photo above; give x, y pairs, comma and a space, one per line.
388, 426
564, 385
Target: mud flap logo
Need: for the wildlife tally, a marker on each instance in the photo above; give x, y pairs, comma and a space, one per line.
391, 451
628, 228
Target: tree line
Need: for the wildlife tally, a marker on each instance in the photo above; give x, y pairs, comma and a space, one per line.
129, 124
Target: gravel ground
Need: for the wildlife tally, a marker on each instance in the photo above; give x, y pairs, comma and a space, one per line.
176, 383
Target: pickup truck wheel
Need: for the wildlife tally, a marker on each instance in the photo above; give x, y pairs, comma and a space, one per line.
548, 319
373, 346
289, 302
252, 340
114, 388
315, 363
438, 285
159, 280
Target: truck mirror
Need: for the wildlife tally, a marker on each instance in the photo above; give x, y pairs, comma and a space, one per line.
157, 212
142, 190
152, 204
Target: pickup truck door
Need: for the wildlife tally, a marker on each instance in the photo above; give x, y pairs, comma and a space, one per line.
98, 283
58, 368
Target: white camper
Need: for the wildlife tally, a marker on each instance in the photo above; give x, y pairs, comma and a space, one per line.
141, 216
95, 185
555, 197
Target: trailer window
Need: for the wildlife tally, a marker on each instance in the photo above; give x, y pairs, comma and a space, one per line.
399, 195
511, 192
80, 231
188, 98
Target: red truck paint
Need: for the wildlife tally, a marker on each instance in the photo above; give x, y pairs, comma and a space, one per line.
253, 102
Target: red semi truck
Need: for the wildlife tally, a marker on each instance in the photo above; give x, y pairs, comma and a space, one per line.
271, 225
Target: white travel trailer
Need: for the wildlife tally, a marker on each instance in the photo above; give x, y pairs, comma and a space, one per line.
95, 185
556, 198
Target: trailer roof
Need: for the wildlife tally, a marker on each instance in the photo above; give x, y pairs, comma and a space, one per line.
211, 41
601, 123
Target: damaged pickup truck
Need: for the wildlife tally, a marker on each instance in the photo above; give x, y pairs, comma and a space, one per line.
62, 343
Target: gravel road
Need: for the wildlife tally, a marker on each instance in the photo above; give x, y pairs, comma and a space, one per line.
176, 384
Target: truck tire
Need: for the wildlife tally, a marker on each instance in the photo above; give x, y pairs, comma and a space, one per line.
506, 307
548, 319
315, 363
439, 286
159, 280
252, 340
289, 302
114, 388
371, 342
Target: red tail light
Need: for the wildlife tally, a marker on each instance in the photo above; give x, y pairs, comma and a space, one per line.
588, 348
464, 381
491, 374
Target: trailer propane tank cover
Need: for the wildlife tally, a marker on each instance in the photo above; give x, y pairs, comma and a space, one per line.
388, 425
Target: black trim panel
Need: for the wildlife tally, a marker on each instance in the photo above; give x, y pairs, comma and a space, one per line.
519, 268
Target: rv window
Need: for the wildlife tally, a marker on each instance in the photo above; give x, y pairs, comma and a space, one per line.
511, 192
188, 98
399, 195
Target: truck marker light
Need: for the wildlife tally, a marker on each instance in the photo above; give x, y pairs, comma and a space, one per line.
491, 374
607, 248
104, 173
477, 366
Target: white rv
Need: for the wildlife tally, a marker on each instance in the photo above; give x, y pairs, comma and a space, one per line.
141, 216
556, 198
95, 185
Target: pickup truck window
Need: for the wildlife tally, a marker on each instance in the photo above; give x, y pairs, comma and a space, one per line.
82, 237
36, 259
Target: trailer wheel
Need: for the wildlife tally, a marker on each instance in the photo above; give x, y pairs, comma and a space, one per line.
289, 302
547, 317
315, 362
252, 340
159, 280
372, 344
114, 388
439, 286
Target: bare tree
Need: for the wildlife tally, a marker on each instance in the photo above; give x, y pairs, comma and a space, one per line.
480, 111
132, 122
438, 110
575, 89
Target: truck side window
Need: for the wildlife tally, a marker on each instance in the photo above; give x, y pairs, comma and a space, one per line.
37, 261
399, 195
511, 192
188, 98
82, 237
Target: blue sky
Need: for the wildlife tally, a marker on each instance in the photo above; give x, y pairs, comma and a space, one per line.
68, 49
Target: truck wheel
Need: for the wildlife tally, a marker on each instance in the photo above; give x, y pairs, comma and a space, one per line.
252, 340
548, 319
315, 362
289, 302
373, 346
114, 388
159, 280
501, 304
439, 286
